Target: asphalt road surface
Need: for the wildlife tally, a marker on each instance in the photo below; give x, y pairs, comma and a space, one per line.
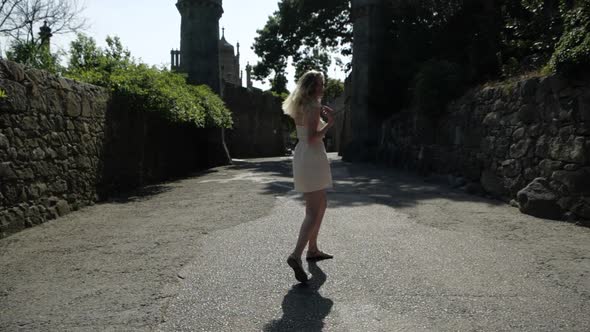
207, 253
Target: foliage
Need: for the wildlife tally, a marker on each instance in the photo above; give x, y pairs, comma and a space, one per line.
572, 53
334, 88
3, 94
314, 59
471, 41
144, 87
489, 39
34, 55
303, 30
282, 95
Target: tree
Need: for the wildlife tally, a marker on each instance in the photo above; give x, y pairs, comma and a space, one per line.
303, 30
313, 59
34, 55
90, 63
21, 19
334, 88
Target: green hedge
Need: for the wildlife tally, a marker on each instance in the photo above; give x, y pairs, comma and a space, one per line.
146, 88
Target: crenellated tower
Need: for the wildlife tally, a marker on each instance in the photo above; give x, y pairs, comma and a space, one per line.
199, 38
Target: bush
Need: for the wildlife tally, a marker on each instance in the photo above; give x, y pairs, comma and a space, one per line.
436, 84
34, 55
572, 53
146, 88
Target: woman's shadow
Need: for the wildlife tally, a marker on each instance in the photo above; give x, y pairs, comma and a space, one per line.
304, 309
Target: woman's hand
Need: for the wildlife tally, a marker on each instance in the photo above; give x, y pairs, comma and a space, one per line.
328, 113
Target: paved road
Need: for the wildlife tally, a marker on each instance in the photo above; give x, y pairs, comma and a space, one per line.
208, 254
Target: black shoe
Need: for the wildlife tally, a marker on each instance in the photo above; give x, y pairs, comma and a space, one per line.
295, 264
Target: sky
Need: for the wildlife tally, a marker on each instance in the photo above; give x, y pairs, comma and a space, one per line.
151, 28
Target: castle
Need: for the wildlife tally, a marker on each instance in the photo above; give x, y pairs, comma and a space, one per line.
206, 58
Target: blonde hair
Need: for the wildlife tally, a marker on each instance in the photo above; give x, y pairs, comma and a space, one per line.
302, 94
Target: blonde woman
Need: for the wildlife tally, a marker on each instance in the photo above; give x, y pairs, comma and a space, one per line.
311, 168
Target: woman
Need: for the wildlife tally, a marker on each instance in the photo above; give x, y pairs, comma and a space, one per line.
311, 168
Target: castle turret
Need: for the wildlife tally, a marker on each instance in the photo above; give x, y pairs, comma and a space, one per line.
249, 76
199, 36
229, 62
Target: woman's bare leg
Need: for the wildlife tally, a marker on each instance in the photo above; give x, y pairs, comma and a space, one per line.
313, 207
313, 238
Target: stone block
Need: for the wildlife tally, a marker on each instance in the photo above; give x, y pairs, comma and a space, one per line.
565, 202
542, 146
530, 174
54, 101
6, 171
50, 153
537, 199
511, 168
36, 98
51, 213
16, 97
72, 105
491, 119
13, 70
514, 184
518, 134
38, 154
548, 166
59, 186
64, 83
87, 110
29, 123
571, 149
520, 149
25, 174
4, 142
83, 162
62, 207
575, 182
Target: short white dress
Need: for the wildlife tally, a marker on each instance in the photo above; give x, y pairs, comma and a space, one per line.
311, 167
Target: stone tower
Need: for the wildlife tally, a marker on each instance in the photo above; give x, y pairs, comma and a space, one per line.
199, 36
369, 29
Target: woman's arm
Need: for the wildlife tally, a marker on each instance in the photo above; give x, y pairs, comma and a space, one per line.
312, 123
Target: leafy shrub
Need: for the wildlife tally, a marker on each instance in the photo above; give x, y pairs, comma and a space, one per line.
572, 53
144, 87
34, 55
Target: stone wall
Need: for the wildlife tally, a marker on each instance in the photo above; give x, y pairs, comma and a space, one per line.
258, 123
143, 147
65, 144
528, 141
51, 138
